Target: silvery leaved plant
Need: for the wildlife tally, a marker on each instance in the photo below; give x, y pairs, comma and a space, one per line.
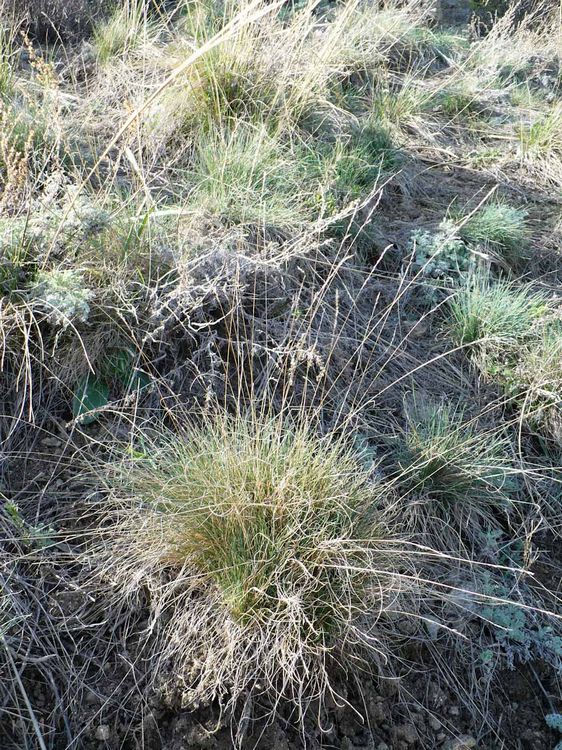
441, 254
62, 295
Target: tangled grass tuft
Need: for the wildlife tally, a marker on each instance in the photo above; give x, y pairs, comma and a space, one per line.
501, 229
279, 560
490, 315
458, 475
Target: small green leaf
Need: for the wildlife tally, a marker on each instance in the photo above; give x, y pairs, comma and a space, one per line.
136, 454
138, 381
120, 366
486, 656
13, 512
91, 394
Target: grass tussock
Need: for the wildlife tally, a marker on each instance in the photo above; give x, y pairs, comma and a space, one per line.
541, 139
513, 335
123, 32
500, 229
494, 314
458, 475
247, 176
274, 543
532, 377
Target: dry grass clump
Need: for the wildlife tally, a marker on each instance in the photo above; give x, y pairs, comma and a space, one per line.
541, 143
514, 337
57, 19
500, 230
17, 154
277, 557
7, 56
522, 55
271, 72
278, 81
534, 378
123, 32
458, 475
539, 364
33, 139
513, 50
236, 138
397, 37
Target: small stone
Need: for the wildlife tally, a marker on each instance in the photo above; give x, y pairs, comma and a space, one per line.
51, 442
379, 712
103, 733
454, 711
464, 742
390, 686
382, 746
406, 732
434, 723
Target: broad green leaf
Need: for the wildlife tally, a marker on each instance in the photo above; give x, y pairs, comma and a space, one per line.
120, 365
139, 380
91, 394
